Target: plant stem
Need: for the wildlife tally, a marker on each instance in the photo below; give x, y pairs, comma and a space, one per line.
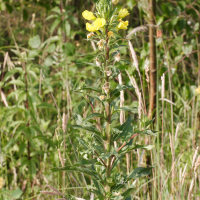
153, 68
109, 160
27, 107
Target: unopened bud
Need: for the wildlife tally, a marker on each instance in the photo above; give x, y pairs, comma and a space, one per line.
117, 57
90, 35
100, 44
111, 34
106, 90
102, 97
97, 62
109, 73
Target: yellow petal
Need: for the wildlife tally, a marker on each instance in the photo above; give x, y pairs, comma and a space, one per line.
111, 34
123, 13
99, 23
197, 90
88, 15
122, 25
89, 27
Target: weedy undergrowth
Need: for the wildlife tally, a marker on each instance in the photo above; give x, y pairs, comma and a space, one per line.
106, 141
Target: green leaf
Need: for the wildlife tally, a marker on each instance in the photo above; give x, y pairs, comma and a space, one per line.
130, 147
99, 187
160, 20
74, 20
1, 84
120, 88
47, 106
32, 167
128, 108
48, 62
25, 14
196, 26
46, 140
9, 8
67, 28
90, 88
34, 42
50, 40
187, 49
105, 155
95, 133
127, 192
127, 129
83, 162
89, 171
12, 142
51, 48
69, 49
78, 119
83, 143
87, 128
50, 17
150, 132
118, 187
54, 25
11, 72
16, 194
93, 115
139, 172
33, 53
16, 82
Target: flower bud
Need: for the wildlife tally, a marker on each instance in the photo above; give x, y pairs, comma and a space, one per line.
109, 73
100, 44
97, 62
90, 35
111, 34
102, 97
106, 89
117, 57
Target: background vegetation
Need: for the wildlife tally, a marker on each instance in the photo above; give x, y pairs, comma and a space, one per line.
44, 58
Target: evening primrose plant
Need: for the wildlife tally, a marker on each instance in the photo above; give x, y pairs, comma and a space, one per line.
106, 141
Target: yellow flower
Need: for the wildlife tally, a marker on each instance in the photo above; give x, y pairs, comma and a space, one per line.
123, 13
89, 27
1, 182
88, 15
111, 34
122, 25
197, 90
99, 23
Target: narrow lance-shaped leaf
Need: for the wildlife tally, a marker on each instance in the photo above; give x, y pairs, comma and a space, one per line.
139, 172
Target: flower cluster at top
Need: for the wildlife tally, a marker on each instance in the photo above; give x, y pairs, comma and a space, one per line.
104, 20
